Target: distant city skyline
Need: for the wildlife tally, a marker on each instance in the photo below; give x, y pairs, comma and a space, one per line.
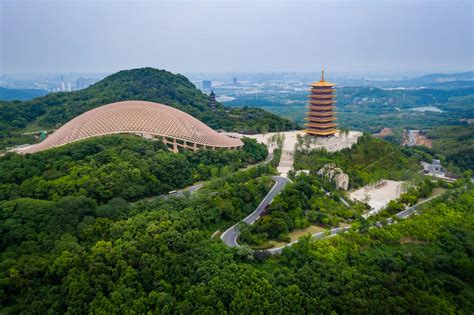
237, 36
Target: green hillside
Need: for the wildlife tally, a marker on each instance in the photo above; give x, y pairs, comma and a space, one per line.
71, 256
148, 84
455, 143
124, 166
366, 162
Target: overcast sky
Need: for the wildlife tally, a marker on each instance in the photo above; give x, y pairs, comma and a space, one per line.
236, 36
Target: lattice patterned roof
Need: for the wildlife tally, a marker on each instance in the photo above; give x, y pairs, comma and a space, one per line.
135, 117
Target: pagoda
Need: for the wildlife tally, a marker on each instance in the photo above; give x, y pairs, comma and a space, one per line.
321, 114
212, 101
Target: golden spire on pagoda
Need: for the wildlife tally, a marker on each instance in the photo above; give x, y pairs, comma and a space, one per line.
322, 82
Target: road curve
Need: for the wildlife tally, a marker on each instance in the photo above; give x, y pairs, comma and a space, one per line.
229, 237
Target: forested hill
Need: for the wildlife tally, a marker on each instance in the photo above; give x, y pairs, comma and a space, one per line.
148, 84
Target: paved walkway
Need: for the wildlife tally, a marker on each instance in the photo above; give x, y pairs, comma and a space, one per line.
378, 196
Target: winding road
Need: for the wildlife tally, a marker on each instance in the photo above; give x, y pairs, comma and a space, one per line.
229, 237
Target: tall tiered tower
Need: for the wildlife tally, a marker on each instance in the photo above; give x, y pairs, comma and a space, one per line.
212, 101
321, 113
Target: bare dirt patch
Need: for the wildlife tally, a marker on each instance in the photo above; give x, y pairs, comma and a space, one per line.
423, 140
384, 133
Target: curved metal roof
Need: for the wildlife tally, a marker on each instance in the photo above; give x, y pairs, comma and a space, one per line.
137, 117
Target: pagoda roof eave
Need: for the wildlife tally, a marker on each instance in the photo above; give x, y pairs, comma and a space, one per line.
322, 84
321, 133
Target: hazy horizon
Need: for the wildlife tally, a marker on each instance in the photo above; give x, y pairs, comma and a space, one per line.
236, 37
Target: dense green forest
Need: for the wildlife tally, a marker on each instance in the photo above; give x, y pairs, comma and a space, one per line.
71, 241
122, 166
71, 255
53, 110
455, 143
46, 245
366, 162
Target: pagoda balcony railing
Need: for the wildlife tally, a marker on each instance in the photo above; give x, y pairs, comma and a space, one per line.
321, 128
323, 102
316, 119
325, 90
322, 96
322, 111
318, 99
329, 94
322, 87
320, 114
320, 108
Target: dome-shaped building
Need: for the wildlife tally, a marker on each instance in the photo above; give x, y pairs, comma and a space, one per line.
151, 120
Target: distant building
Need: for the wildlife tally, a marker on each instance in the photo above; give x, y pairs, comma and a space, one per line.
82, 83
321, 113
234, 81
207, 84
434, 169
212, 101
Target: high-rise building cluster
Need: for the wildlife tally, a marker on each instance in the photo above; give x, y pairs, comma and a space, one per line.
79, 84
82, 83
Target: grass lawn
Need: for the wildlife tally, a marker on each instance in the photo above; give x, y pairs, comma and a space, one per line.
296, 234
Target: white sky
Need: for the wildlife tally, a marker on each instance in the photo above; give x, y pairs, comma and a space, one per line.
236, 36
